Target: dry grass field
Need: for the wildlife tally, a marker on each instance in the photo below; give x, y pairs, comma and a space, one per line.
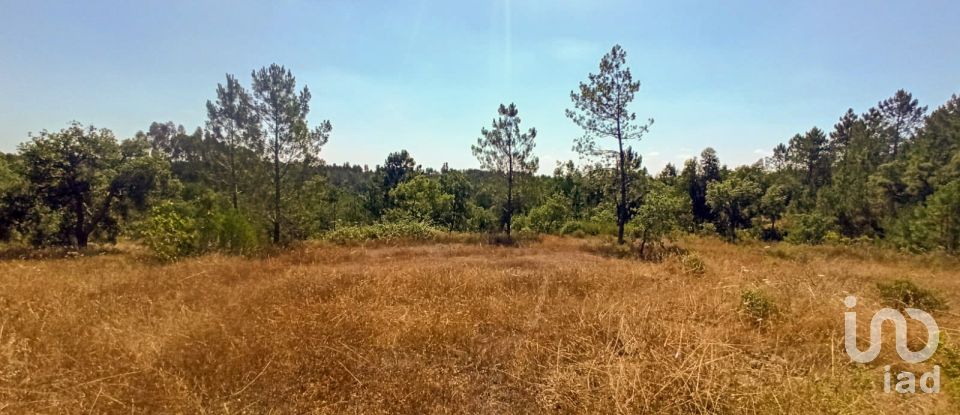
458, 328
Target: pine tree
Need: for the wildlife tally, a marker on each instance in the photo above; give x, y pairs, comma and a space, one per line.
283, 121
601, 111
233, 123
505, 149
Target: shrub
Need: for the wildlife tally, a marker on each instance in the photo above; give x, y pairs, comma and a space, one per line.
931, 226
169, 233
235, 233
421, 199
658, 216
581, 228
550, 216
906, 294
480, 219
808, 228
707, 229
384, 231
692, 264
757, 305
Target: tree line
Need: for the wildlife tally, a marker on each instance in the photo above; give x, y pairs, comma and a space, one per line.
253, 176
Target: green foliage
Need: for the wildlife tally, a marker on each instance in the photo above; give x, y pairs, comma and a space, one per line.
807, 228
551, 216
758, 305
174, 230
287, 140
455, 183
507, 150
773, 204
692, 264
231, 232
658, 216
382, 232
421, 199
586, 227
600, 109
234, 124
170, 233
90, 180
735, 201
906, 294
481, 220
935, 225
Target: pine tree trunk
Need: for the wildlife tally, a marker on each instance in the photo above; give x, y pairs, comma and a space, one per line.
622, 205
233, 176
510, 197
276, 188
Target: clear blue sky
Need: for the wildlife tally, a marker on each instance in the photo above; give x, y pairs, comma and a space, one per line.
426, 75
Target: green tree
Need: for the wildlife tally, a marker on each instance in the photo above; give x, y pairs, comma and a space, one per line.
601, 111
570, 181
455, 183
507, 150
659, 215
901, 116
283, 120
849, 196
710, 168
551, 215
90, 179
421, 199
232, 122
941, 217
163, 137
734, 200
397, 168
774, 204
934, 157
810, 153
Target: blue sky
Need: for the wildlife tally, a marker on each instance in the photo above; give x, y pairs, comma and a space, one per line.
426, 75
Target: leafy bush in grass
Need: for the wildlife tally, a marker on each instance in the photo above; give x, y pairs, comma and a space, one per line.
692, 264
809, 228
550, 216
757, 305
169, 232
580, 228
231, 232
906, 294
384, 231
174, 230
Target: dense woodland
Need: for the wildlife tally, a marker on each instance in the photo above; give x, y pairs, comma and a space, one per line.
253, 176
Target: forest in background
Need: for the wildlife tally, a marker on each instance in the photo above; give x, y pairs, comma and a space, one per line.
253, 176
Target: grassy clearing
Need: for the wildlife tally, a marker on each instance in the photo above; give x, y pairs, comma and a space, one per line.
454, 327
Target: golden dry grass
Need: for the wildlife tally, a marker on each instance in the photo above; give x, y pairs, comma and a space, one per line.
454, 328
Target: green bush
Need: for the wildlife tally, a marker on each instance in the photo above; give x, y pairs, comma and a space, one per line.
169, 233
758, 305
579, 228
692, 264
811, 228
480, 219
235, 233
906, 294
384, 231
550, 216
934, 225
